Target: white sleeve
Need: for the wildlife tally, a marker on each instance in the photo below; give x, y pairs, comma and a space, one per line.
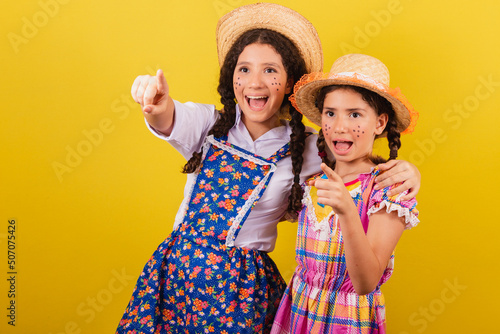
312, 162
192, 121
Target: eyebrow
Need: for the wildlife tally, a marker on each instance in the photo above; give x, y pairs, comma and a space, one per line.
350, 109
265, 64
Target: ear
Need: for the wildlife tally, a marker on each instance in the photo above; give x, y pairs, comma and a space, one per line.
289, 86
381, 123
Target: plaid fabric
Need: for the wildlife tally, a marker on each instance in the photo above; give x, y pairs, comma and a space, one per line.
320, 297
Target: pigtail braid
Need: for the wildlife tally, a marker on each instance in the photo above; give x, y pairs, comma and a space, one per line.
297, 145
321, 145
393, 138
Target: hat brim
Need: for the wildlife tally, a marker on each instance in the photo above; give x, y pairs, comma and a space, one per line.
273, 17
307, 89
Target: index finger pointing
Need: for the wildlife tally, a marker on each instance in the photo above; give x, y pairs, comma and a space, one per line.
161, 82
332, 176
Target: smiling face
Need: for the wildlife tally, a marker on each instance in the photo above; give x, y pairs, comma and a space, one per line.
260, 83
349, 126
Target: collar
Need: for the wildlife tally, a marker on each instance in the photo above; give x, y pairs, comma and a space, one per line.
278, 133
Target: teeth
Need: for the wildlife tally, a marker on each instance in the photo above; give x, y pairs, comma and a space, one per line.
257, 97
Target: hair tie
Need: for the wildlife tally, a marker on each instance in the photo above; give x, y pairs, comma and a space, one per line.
322, 154
296, 179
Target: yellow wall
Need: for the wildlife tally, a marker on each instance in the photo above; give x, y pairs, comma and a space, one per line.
92, 192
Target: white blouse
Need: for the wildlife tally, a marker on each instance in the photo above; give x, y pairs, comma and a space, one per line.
259, 231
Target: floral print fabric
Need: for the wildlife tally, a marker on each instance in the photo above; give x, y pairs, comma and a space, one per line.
197, 281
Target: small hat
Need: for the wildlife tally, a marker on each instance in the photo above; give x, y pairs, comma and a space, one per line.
273, 17
355, 70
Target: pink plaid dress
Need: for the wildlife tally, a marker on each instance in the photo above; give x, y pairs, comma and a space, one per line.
320, 297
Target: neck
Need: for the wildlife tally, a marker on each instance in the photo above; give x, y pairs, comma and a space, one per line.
258, 129
349, 171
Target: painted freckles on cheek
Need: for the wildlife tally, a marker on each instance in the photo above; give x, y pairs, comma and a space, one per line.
236, 84
326, 129
275, 83
358, 131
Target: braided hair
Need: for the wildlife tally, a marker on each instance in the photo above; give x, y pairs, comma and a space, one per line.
380, 105
295, 68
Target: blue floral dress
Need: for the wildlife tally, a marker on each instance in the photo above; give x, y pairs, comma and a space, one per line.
197, 281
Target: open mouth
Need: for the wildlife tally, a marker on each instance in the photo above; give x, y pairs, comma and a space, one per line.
341, 145
257, 102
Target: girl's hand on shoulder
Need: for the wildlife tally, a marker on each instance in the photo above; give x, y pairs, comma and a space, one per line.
151, 92
399, 171
332, 191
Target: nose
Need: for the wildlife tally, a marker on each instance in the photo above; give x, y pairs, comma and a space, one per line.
339, 125
255, 80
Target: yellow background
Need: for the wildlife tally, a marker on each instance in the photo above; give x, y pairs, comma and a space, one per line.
93, 192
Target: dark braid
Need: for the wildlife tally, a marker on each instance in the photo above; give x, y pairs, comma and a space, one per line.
297, 144
393, 137
321, 145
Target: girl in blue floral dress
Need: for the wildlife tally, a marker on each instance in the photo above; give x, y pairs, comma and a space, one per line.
213, 273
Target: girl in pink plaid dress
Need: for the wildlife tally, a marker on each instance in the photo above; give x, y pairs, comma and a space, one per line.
348, 228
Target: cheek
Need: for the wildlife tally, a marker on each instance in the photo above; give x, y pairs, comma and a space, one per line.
327, 128
236, 83
275, 84
358, 131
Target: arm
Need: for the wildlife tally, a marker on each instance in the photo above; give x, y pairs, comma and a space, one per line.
399, 171
366, 255
157, 106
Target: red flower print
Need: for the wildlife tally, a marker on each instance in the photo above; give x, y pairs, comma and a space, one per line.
199, 305
247, 194
249, 164
168, 314
223, 235
244, 293
205, 208
213, 259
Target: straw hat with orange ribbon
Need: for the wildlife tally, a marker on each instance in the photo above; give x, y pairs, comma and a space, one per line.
273, 17
355, 70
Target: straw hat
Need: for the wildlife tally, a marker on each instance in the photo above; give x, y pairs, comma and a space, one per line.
273, 17
355, 70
